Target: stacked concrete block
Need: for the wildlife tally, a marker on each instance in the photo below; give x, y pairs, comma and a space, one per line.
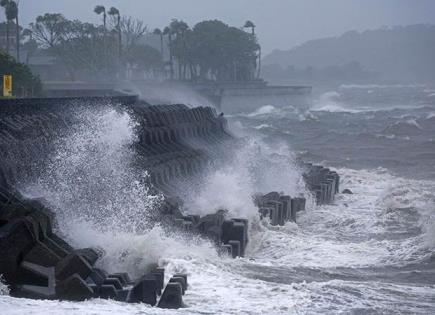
322, 182
37, 263
279, 208
182, 137
230, 235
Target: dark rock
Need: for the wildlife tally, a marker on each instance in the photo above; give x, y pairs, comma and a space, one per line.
347, 191
172, 297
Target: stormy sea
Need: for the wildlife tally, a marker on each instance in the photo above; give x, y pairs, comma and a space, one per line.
370, 252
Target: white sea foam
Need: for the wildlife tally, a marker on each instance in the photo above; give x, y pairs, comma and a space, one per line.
91, 175
353, 233
251, 168
307, 116
99, 197
4, 289
263, 126
380, 86
264, 110
330, 102
412, 122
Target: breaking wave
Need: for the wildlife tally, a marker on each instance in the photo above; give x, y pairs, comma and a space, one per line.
380, 86
254, 167
406, 127
330, 102
264, 110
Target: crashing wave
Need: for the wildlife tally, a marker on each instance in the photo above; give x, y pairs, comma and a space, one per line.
403, 128
262, 126
330, 102
264, 110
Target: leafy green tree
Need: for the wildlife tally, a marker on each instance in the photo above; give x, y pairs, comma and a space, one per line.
158, 32
250, 25
11, 12
222, 52
80, 46
145, 58
114, 12
99, 9
133, 30
167, 31
179, 45
24, 82
50, 29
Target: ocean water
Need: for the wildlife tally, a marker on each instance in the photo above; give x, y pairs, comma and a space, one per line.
371, 252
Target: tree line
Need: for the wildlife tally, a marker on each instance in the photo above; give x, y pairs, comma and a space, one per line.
210, 50
11, 13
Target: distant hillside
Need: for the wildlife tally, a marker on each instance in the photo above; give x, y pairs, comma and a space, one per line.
396, 53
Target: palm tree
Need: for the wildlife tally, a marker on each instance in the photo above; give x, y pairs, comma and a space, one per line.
159, 32
250, 25
11, 12
115, 12
14, 8
6, 4
31, 44
101, 9
167, 31
179, 28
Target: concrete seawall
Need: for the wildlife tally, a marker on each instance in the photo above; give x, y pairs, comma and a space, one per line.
174, 142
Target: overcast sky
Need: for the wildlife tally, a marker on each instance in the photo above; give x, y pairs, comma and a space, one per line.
281, 24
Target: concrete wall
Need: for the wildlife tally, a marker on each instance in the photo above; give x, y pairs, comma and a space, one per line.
176, 140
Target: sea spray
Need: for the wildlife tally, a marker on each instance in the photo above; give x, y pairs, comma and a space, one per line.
91, 175
136, 252
100, 198
4, 290
250, 168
